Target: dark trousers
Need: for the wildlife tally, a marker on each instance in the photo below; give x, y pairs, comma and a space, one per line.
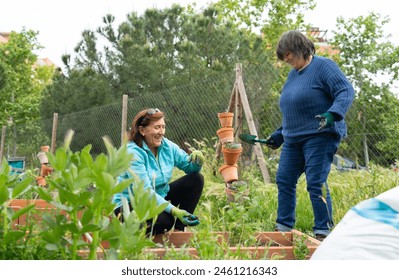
184, 193
314, 157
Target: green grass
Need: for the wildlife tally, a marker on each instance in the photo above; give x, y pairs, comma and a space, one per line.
258, 212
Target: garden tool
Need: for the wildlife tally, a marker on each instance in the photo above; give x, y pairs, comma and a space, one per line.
251, 139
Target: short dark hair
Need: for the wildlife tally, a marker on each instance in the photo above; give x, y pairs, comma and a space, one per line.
295, 42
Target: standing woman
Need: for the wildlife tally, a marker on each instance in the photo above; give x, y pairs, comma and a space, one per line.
313, 102
154, 158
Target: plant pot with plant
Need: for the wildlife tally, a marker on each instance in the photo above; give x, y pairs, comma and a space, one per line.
236, 191
231, 152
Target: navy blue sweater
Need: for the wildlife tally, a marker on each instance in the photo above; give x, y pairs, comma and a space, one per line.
320, 87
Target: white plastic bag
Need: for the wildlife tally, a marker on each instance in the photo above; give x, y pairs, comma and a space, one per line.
369, 231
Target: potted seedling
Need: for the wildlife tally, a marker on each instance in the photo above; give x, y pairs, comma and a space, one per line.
231, 152
237, 191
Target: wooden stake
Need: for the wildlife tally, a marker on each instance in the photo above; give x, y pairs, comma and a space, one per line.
3, 140
54, 132
124, 118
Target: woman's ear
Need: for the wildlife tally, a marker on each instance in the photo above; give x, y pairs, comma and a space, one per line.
141, 130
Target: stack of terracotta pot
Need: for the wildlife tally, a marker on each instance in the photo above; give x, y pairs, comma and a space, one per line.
45, 169
231, 150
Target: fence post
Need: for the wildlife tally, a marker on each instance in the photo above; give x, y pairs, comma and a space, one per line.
54, 132
3, 139
124, 118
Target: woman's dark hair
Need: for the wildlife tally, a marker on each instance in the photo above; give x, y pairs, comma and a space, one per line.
296, 43
143, 118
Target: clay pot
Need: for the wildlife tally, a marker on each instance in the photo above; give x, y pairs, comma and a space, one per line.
45, 170
226, 119
231, 156
229, 172
45, 149
225, 134
41, 181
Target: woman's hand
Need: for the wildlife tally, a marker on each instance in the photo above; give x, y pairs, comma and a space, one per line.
197, 157
326, 120
185, 217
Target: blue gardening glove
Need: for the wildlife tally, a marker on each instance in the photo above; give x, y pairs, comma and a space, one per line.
185, 217
271, 143
197, 157
326, 120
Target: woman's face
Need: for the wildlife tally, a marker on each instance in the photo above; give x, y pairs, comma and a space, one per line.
154, 133
295, 61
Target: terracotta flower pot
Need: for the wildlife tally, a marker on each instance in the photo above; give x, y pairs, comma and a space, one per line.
226, 119
231, 156
45, 149
45, 170
41, 181
225, 134
229, 172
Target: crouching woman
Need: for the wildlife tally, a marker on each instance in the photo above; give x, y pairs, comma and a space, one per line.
154, 158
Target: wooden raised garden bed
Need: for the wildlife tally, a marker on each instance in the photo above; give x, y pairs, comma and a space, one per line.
268, 245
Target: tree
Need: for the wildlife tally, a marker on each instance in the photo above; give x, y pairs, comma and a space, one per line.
150, 55
365, 55
271, 17
70, 97
21, 93
3, 77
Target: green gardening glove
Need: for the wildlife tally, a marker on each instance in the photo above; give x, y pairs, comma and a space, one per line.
271, 143
197, 157
185, 217
326, 120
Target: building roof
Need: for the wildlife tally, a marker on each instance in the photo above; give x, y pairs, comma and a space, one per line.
322, 48
4, 36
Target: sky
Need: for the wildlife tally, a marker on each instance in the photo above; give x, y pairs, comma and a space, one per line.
61, 23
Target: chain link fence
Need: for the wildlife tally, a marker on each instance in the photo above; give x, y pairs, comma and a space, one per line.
191, 113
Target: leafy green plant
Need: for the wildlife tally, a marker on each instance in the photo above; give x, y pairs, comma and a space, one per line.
301, 251
84, 188
12, 185
232, 145
128, 239
239, 186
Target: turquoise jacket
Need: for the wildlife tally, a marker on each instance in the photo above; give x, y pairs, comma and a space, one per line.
155, 171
